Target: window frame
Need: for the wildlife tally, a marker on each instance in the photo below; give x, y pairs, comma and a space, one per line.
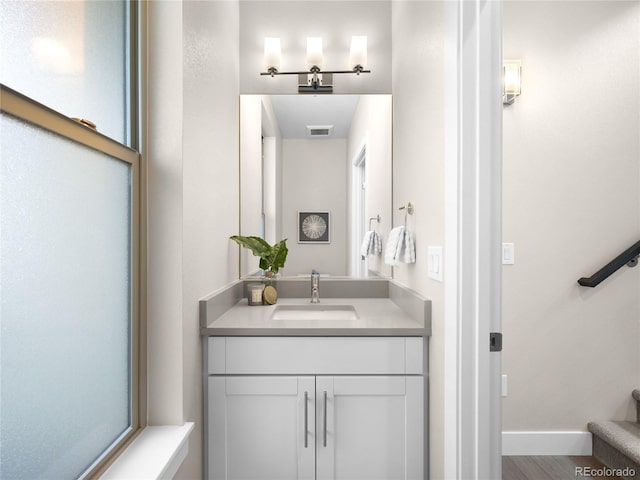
26, 109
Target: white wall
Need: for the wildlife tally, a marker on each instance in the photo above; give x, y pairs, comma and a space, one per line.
210, 179
571, 203
418, 175
193, 256
250, 177
335, 22
314, 178
270, 185
165, 211
260, 175
371, 125
272, 181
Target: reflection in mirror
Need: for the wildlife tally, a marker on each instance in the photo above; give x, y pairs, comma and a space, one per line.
317, 171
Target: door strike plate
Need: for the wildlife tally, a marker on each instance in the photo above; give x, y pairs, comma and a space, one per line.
495, 342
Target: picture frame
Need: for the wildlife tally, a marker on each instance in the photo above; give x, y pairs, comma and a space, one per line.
314, 227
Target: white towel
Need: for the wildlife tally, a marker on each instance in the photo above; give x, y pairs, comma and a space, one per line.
371, 244
407, 252
400, 247
377, 244
393, 241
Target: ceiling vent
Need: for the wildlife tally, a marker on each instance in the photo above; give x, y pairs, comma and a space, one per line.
319, 131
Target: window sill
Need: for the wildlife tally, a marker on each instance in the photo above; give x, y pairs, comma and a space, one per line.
156, 453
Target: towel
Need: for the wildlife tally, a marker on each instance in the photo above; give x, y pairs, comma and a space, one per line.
371, 244
400, 247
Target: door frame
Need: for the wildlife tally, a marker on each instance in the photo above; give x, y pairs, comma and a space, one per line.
473, 232
358, 209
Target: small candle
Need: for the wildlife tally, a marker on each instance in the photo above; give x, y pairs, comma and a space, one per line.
255, 293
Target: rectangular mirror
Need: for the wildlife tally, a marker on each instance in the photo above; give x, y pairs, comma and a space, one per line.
316, 170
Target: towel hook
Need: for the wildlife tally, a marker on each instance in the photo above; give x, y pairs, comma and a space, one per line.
408, 209
376, 218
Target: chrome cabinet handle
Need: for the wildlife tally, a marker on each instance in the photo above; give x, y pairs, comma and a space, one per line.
324, 439
306, 420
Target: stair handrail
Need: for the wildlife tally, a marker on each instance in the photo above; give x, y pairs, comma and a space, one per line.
629, 257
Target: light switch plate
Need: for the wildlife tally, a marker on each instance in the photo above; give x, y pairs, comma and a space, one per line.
508, 254
504, 385
435, 263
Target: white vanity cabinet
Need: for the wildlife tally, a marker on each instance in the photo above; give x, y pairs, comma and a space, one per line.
369, 427
272, 415
257, 428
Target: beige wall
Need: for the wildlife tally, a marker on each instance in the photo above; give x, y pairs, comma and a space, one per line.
314, 178
371, 125
571, 203
418, 175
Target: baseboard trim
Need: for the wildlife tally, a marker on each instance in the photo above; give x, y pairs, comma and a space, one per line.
546, 443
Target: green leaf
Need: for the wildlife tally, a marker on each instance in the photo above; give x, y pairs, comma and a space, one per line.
272, 258
257, 245
264, 263
279, 255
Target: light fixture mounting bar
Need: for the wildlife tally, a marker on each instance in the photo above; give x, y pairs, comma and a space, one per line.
275, 72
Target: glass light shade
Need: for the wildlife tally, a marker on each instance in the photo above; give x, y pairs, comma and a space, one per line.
512, 77
314, 52
358, 54
272, 53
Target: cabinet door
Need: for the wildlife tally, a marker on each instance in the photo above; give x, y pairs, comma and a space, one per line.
261, 428
370, 428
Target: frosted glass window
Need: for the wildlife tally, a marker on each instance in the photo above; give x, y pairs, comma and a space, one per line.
65, 303
70, 56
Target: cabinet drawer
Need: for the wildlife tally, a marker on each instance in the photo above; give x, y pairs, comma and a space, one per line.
315, 355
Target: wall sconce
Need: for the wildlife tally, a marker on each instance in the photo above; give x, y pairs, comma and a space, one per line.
511, 81
314, 79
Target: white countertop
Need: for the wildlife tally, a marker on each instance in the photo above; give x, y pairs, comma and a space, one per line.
377, 316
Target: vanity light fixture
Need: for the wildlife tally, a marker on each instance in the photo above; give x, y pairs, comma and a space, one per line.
314, 79
511, 81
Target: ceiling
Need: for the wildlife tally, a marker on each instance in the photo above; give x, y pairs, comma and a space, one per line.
295, 112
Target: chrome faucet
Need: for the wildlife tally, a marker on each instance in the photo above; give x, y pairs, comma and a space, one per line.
315, 287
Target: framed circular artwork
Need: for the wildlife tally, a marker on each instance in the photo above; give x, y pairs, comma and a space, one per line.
313, 227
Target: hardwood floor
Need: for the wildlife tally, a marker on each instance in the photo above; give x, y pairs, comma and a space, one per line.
550, 468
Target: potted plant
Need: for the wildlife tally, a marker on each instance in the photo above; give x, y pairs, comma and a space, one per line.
272, 258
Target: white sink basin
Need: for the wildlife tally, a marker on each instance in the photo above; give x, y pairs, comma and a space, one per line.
315, 311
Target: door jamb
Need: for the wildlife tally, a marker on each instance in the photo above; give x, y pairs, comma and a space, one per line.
473, 215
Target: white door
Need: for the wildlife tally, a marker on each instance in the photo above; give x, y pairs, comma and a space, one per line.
261, 428
369, 428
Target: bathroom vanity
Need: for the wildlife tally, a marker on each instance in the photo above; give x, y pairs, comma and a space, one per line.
328, 391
